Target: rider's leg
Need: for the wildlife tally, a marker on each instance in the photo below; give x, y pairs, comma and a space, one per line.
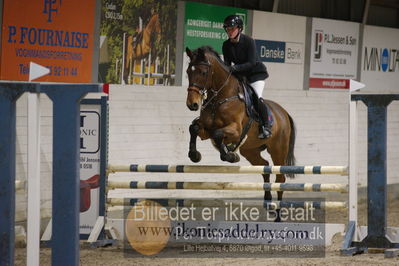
264, 127
265, 130
258, 87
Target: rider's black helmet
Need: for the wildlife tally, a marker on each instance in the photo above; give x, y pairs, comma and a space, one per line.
233, 20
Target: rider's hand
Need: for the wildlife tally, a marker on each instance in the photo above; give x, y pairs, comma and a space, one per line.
233, 69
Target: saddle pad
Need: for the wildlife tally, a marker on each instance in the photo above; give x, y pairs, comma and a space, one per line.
249, 97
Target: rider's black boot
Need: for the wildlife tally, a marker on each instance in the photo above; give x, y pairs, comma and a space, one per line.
265, 130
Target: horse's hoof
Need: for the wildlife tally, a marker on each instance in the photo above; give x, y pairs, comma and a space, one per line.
278, 216
223, 157
273, 216
231, 157
236, 158
195, 156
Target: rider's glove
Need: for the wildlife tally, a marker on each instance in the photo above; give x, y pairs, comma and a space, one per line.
233, 68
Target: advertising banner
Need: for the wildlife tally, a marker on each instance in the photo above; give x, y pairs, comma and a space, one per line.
55, 34
334, 49
281, 46
138, 42
244, 228
90, 152
280, 52
380, 58
204, 24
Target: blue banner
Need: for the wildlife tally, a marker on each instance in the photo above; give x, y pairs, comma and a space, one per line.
271, 51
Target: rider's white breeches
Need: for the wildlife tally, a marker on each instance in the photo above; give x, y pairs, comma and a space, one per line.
258, 87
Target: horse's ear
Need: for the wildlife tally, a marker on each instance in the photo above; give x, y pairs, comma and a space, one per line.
189, 53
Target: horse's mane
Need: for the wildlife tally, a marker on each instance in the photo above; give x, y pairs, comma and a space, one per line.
209, 50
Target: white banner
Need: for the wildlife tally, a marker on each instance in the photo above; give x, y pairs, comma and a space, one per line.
280, 41
380, 58
89, 166
334, 49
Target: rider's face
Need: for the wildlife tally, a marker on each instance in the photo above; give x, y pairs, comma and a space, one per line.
232, 32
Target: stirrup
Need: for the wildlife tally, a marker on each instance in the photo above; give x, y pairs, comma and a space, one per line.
264, 132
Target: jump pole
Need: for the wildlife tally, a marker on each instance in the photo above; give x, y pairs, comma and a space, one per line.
228, 169
305, 187
125, 202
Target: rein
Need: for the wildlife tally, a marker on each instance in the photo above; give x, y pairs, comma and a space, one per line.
216, 92
201, 89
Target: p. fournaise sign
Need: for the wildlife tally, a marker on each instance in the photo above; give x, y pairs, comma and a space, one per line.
54, 33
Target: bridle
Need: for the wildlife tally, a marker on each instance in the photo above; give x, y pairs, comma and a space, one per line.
201, 89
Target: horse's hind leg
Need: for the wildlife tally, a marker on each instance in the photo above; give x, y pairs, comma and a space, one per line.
279, 155
255, 158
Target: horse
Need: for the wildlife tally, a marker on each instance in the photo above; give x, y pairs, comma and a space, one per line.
224, 120
139, 45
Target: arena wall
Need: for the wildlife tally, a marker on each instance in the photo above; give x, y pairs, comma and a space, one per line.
150, 125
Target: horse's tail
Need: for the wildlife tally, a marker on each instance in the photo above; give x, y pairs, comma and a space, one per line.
290, 156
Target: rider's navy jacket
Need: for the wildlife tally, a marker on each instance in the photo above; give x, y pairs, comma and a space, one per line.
243, 55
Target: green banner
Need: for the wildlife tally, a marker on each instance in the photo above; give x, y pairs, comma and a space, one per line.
204, 24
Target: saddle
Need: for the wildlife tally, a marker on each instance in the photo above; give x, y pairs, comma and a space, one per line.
251, 103
85, 194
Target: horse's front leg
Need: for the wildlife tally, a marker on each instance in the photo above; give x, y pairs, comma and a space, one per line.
193, 154
225, 135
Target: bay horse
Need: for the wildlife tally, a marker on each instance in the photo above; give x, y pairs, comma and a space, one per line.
139, 45
223, 117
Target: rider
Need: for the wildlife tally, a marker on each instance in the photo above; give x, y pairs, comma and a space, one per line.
240, 50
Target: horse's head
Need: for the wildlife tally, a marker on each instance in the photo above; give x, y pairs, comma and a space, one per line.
153, 24
199, 78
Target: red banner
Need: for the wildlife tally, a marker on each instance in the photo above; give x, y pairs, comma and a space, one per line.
329, 83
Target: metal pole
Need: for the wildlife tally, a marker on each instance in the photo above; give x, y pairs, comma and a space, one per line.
149, 69
366, 12
66, 177
156, 70
9, 94
33, 226
167, 65
377, 105
123, 57
275, 6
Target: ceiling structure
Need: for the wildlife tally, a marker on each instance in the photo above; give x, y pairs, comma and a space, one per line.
371, 12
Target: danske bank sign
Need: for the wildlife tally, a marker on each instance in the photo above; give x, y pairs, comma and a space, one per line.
279, 52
